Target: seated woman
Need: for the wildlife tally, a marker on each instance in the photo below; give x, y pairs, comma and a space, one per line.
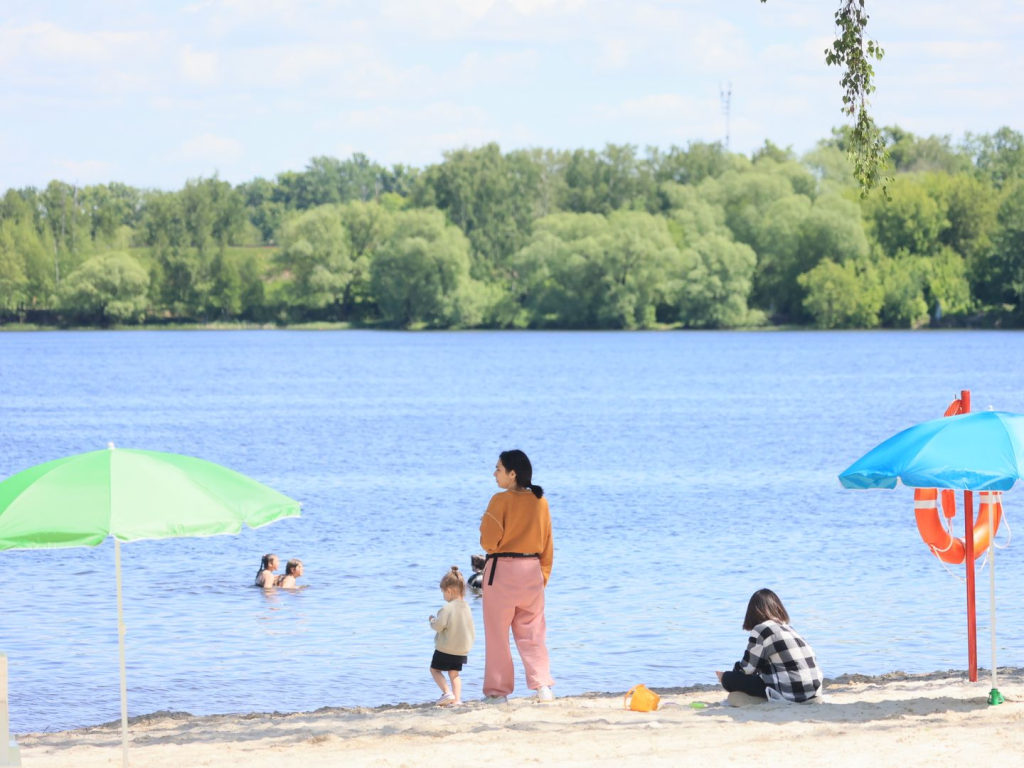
265, 575
292, 571
778, 662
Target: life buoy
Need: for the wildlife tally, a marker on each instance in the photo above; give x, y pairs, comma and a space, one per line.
943, 544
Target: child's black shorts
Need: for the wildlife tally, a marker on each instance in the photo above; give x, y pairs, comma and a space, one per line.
447, 663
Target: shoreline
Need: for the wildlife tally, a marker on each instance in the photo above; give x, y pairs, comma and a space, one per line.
886, 719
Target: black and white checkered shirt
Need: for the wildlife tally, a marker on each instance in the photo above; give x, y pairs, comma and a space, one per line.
784, 660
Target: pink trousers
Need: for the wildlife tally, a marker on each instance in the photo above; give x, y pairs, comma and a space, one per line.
515, 600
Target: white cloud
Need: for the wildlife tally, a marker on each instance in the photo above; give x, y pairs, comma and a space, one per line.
431, 117
86, 171
199, 66
614, 56
209, 148
44, 40
531, 7
420, 134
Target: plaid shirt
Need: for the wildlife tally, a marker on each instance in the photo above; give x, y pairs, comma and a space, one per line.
783, 659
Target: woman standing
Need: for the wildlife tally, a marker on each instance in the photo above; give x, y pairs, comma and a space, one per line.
516, 531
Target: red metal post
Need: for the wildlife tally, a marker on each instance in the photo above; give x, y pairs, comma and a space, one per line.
972, 618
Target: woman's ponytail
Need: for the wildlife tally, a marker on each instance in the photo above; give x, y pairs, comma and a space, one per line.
518, 462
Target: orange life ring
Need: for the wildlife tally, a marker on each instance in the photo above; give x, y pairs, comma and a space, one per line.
940, 541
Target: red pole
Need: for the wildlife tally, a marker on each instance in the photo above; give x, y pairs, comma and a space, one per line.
972, 618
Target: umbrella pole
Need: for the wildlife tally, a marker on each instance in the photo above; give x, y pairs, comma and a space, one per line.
972, 613
120, 649
994, 696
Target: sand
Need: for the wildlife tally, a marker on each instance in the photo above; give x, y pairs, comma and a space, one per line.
896, 719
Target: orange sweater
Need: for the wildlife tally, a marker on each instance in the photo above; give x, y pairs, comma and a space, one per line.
517, 521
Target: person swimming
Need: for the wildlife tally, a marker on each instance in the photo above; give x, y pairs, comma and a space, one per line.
292, 571
265, 575
476, 581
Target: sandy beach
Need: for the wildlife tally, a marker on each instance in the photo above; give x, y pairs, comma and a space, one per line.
894, 719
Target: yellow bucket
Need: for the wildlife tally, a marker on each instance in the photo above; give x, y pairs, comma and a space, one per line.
640, 698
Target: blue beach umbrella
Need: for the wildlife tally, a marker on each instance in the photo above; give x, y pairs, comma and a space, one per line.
982, 451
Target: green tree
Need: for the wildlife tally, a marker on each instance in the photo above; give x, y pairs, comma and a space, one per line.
179, 268
700, 160
109, 208
587, 270
717, 273
1007, 258
606, 181
255, 306
366, 226
970, 206
264, 210
14, 291
420, 274
845, 295
66, 225
910, 153
490, 197
913, 221
902, 282
745, 196
225, 297
108, 288
947, 283
31, 255
782, 253
715, 290
315, 250
998, 157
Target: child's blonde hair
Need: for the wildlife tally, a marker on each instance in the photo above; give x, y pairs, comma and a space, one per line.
453, 580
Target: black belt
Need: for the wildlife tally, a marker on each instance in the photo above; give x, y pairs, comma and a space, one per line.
494, 556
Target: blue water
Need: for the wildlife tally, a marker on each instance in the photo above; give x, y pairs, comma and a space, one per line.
684, 471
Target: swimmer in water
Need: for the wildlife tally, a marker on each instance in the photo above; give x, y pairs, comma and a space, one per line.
265, 575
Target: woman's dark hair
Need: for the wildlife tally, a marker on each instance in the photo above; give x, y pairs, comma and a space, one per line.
764, 606
265, 564
517, 461
293, 565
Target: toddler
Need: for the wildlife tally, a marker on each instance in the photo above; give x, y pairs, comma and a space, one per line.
454, 640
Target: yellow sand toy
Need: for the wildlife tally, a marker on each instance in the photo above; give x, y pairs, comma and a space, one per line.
640, 698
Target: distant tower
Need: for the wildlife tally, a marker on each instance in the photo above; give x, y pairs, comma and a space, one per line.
725, 97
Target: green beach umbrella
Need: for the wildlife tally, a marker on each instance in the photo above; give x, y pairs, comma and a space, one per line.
130, 495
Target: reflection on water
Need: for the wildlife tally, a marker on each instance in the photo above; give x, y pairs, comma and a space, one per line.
684, 471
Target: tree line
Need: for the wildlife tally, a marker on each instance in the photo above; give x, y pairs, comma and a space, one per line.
694, 237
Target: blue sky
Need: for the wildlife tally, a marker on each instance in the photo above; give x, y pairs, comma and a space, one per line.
153, 93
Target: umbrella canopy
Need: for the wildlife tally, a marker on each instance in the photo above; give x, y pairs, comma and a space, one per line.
981, 451
130, 495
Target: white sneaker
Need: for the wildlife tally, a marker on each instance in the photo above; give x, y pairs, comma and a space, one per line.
544, 693
495, 699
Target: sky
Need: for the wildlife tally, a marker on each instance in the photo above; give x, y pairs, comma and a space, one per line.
153, 93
